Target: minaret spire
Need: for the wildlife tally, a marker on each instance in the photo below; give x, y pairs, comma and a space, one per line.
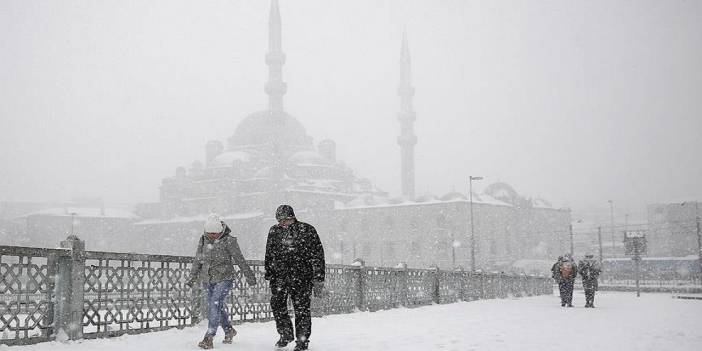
407, 140
275, 59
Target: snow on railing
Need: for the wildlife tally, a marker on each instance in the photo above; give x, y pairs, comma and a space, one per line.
70, 293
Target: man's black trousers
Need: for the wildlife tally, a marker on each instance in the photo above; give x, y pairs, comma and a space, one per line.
299, 293
590, 296
566, 290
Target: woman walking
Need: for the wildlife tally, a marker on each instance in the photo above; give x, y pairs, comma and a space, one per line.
217, 252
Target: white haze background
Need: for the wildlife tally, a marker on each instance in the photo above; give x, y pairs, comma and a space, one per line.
574, 101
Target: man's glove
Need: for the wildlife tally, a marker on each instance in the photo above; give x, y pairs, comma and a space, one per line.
318, 289
251, 280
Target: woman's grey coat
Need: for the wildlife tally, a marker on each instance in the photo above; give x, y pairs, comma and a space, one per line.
215, 259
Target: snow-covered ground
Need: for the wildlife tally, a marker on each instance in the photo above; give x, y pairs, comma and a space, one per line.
620, 322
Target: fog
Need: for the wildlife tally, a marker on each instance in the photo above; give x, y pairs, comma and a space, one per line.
577, 102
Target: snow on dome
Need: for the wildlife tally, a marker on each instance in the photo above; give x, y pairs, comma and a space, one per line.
226, 159
503, 192
541, 203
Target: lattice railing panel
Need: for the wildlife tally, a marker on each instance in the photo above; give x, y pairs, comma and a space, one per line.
26, 308
420, 287
381, 288
341, 291
449, 286
126, 293
250, 303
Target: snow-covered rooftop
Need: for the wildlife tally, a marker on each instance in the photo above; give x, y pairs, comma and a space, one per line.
85, 212
201, 218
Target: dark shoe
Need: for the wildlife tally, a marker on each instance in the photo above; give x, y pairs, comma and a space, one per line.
206, 343
284, 341
229, 335
570, 305
562, 304
301, 345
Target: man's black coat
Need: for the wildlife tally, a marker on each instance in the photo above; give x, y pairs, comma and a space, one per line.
294, 255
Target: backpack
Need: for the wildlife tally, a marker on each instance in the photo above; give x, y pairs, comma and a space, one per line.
589, 270
586, 270
566, 270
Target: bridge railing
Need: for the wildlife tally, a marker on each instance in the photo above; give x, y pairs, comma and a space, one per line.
70, 293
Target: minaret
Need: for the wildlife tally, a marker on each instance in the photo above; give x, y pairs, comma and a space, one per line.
275, 59
407, 140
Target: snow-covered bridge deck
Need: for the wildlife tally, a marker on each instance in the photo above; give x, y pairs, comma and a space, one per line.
620, 322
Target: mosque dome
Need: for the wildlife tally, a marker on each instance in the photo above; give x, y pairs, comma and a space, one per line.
267, 128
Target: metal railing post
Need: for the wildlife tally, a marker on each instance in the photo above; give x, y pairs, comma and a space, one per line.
436, 292
360, 284
70, 281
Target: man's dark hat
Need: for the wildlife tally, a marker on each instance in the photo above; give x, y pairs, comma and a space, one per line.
284, 212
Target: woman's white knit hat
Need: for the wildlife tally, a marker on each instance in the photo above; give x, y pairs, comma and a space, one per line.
213, 224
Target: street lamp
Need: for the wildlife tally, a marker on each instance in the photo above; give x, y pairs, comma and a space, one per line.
699, 236
73, 214
472, 232
611, 219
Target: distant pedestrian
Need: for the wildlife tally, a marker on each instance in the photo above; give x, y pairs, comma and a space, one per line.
295, 268
216, 253
589, 270
564, 272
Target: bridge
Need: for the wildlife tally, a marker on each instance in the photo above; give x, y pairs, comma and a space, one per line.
71, 293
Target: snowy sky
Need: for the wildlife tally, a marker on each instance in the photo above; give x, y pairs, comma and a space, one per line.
575, 101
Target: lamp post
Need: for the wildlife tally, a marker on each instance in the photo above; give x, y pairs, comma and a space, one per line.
699, 236
73, 214
472, 230
611, 219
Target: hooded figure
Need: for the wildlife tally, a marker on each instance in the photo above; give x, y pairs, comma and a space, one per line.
295, 268
590, 270
217, 252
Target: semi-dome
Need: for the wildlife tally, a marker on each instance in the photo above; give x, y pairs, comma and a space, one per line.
227, 159
266, 127
503, 192
307, 157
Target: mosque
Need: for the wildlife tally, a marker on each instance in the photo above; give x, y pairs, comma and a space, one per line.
270, 160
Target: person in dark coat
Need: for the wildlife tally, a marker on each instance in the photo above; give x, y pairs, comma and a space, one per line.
564, 272
216, 253
295, 268
589, 270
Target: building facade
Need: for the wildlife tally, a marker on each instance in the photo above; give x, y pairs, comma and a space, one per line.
672, 229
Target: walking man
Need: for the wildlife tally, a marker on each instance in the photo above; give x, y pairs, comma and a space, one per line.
589, 272
295, 268
216, 251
